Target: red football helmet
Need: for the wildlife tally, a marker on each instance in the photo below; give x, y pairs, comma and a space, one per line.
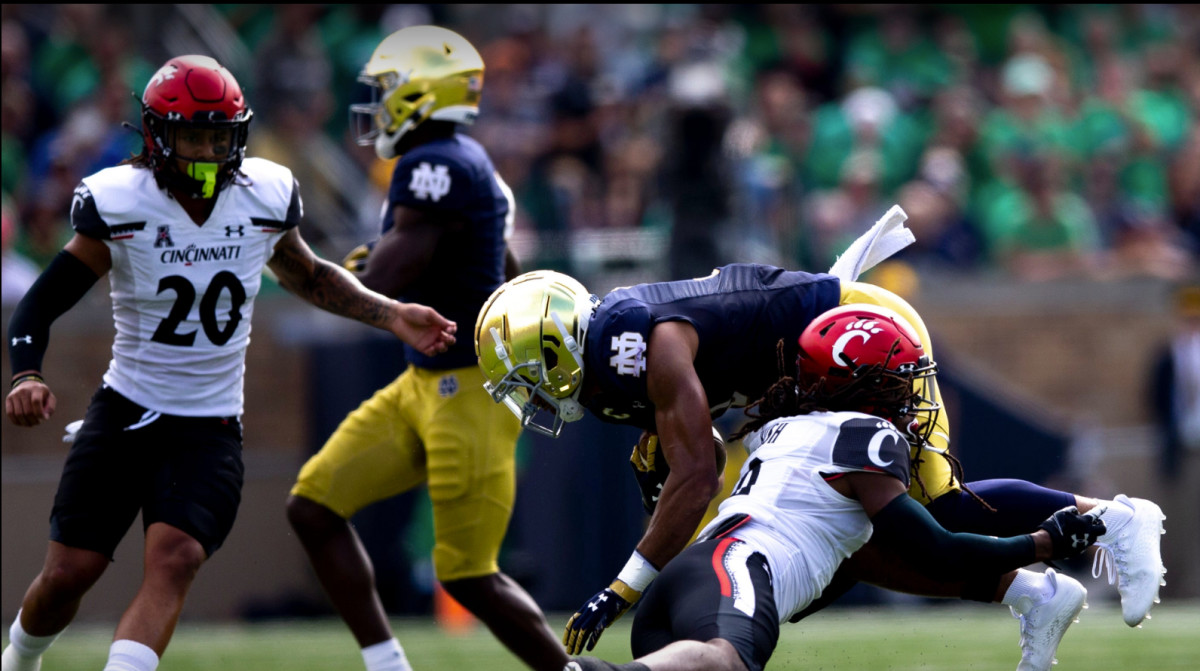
866, 357
195, 93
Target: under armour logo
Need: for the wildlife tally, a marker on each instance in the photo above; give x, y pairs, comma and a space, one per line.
1079, 542
163, 239
594, 605
239, 229
28, 340
628, 359
430, 182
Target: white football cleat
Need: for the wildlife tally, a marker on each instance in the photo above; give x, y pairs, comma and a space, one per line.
1044, 625
1133, 543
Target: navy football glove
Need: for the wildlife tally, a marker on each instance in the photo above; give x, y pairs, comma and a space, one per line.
586, 625
1072, 532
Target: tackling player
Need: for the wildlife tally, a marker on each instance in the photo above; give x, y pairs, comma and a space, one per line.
444, 242
184, 232
827, 469
669, 356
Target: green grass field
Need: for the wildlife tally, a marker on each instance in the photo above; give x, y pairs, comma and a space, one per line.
930, 638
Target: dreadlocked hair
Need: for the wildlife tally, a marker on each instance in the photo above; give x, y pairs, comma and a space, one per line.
920, 439
956, 473
875, 389
782, 399
141, 160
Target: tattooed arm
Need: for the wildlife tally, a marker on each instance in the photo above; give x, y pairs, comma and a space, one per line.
334, 289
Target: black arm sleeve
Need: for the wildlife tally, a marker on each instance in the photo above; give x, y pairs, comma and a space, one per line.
60, 286
906, 528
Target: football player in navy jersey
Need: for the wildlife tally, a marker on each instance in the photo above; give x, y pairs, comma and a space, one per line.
444, 243
184, 232
827, 469
669, 356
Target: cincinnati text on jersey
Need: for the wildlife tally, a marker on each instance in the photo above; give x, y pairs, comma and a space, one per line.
193, 254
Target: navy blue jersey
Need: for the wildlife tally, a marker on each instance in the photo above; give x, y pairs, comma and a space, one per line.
454, 179
741, 313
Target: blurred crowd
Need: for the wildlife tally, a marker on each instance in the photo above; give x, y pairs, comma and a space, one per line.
1032, 141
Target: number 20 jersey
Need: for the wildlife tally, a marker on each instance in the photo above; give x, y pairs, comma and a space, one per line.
183, 293
804, 527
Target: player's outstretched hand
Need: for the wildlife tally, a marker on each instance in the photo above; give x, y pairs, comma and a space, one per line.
30, 403
1072, 532
586, 625
423, 328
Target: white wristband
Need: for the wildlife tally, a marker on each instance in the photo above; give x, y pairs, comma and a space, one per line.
638, 572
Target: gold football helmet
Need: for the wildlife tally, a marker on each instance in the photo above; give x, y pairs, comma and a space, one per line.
529, 341
418, 73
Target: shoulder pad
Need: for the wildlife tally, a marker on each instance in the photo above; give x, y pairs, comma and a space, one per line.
276, 193
85, 218
109, 203
872, 444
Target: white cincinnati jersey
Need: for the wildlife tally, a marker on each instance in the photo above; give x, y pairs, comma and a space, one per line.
183, 293
803, 526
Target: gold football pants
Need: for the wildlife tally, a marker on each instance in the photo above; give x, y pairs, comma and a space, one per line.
439, 427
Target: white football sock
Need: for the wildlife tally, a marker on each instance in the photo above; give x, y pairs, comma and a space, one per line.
126, 655
12, 661
386, 656
24, 650
1027, 590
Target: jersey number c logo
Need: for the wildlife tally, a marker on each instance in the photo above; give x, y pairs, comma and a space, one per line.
875, 446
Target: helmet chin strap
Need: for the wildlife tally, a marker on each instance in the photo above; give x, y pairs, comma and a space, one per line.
207, 173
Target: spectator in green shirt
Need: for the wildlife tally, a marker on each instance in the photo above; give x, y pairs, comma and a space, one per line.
1042, 231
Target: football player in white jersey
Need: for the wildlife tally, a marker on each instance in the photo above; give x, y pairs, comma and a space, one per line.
828, 469
184, 231
669, 356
